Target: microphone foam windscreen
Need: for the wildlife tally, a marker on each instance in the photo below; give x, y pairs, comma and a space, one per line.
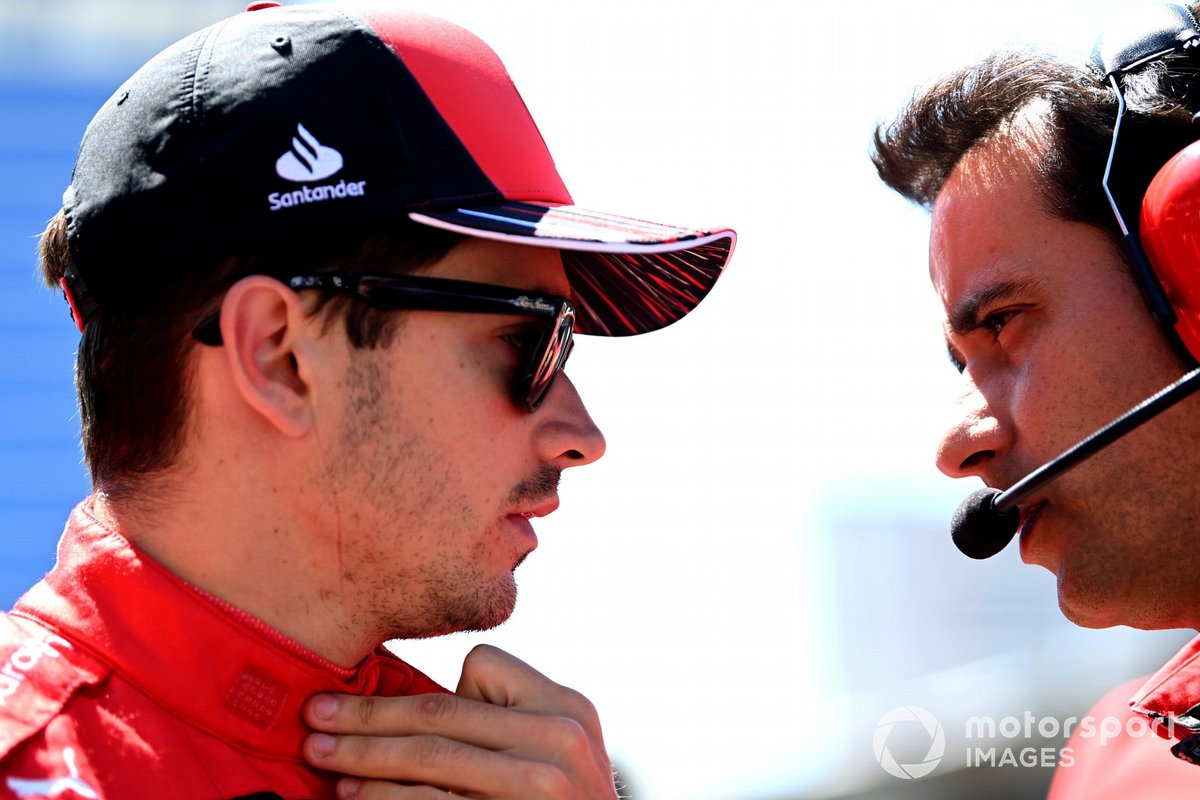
978, 529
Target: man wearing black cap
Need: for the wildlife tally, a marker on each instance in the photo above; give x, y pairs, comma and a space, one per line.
327, 279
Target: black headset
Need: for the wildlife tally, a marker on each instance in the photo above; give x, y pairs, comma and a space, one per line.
1167, 257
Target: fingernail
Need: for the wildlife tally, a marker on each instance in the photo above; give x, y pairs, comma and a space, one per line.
325, 706
323, 744
347, 788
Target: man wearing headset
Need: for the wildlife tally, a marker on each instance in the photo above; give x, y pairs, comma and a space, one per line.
327, 279
1048, 319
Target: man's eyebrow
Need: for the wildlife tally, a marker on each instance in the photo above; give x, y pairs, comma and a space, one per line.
963, 316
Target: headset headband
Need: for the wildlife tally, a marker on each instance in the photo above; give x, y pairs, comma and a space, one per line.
1137, 39
1143, 36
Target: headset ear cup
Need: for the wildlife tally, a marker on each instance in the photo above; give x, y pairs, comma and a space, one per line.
1170, 234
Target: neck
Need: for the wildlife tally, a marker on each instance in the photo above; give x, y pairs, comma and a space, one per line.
249, 542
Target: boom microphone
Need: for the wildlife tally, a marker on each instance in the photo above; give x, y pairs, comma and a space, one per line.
988, 519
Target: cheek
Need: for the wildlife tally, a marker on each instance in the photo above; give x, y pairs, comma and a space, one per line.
456, 382
1116, 331
473, 430
1046, 401
1093, 363
454, 392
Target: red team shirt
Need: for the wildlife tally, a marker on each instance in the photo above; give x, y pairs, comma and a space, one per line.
119, 680
1138, 761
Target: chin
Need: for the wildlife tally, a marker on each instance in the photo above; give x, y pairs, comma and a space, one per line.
458, 624
1137, 618
479, 610
1092, 606
1085, 618
1093, 595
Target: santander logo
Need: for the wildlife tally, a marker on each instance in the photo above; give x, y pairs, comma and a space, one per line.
308, 160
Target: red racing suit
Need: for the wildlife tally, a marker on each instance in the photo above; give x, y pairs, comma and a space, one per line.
1135, 761
118, 680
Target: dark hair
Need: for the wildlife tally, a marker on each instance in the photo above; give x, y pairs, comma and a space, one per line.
916, 152
132, 374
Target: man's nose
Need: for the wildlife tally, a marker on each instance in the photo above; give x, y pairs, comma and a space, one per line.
975, 439
567, 436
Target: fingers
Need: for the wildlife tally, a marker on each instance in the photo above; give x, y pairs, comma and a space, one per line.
432, 761
509, 734
461, 719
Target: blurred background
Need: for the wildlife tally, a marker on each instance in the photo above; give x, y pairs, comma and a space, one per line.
759, 570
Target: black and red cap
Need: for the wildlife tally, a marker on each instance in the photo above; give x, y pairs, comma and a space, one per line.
283, 120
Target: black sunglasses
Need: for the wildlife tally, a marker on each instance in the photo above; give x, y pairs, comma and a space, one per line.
541, 358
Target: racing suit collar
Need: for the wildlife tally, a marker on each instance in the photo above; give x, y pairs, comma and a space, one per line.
224, 671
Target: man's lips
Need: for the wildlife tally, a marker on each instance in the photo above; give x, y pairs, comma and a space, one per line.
1029, 515
547, 506
520, 518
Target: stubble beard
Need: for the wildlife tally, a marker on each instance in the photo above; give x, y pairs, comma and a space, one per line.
444, 594
464, 599
1125, 557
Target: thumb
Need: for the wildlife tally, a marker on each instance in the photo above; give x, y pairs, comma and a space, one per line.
493, 676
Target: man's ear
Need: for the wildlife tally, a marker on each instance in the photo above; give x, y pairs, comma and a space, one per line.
263, 326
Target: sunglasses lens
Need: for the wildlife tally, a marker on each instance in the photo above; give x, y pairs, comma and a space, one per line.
550, 357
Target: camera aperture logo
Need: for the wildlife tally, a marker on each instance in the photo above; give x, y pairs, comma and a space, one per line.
909, 715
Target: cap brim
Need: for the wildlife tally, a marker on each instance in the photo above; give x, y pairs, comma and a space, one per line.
628, 276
